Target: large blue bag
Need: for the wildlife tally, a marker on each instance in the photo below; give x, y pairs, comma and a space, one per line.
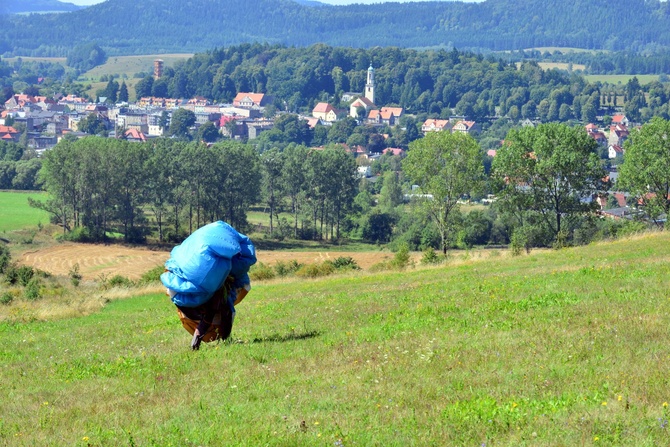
199, 266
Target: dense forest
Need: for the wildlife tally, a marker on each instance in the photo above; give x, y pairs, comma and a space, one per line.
161, 26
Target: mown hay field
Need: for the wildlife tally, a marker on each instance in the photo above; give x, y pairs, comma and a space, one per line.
96, 260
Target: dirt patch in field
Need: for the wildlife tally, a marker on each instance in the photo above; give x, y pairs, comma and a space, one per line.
109, 260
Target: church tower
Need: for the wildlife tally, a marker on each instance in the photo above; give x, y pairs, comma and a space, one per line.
158, 68
370, 86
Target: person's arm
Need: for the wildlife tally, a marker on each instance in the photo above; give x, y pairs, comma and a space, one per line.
241, 293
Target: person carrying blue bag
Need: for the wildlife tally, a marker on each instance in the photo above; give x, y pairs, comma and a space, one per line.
206, 276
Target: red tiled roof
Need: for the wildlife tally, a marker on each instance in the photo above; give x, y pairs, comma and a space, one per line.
322, 107
620, 198
437, 124
395, 111
363, 101
393, 151
467, 124
135, 134
225, 119
256, 98
8, 129
597, 135
386, 114
312, 122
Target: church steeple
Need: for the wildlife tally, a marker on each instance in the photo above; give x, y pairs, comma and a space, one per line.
370, 85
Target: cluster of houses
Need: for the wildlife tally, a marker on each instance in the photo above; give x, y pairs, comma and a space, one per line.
459, 125
613, 138
363, 109
47, 120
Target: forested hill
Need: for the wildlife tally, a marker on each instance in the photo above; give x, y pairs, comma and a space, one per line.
126, 27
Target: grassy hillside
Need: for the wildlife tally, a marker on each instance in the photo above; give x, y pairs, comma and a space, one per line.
15, 212
555, 348
127, 66
621, 79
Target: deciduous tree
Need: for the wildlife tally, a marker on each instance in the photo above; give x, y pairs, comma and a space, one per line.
448, 167
182, 120
645, 172
552, 170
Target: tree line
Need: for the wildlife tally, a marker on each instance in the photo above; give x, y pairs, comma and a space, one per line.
100, 186
547, 181
436, 82
19, 168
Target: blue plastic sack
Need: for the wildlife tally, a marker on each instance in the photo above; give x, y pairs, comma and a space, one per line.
199, 266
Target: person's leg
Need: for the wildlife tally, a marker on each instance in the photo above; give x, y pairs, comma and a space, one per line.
227, 318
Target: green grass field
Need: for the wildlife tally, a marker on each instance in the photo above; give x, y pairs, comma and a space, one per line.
15, 212
621, 79
129, 65
556, 348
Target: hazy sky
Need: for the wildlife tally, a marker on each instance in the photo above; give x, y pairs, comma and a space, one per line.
332, 2
82, 2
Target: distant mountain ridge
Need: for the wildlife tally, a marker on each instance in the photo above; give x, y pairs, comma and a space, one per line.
121, 27
310, 3
37, 6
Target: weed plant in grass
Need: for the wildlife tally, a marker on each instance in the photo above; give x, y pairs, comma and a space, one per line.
553, 348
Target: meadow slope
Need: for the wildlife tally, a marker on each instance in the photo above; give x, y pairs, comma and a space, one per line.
557, 348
